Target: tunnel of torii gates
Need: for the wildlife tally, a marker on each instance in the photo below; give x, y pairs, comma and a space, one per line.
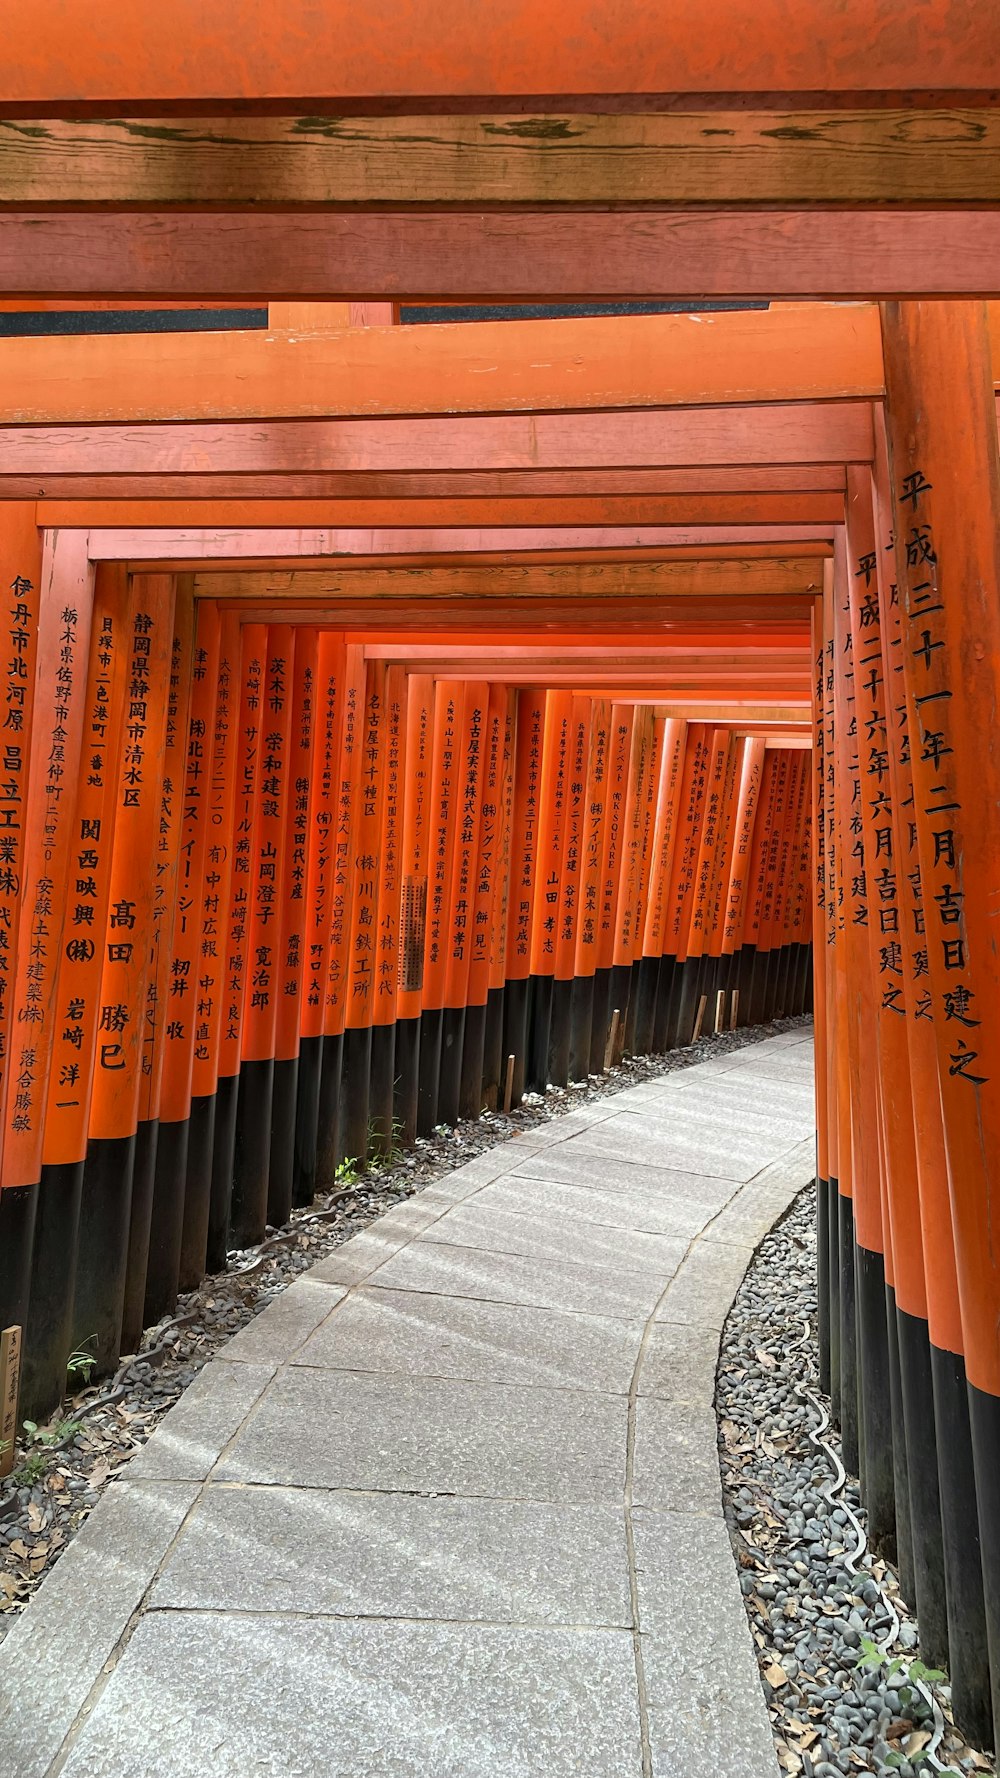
385, 701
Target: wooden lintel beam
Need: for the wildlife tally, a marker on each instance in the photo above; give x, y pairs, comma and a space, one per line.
811, 352
747, 157
404, 486
679, 255
751, 512
520, 50
655, 580
371, 548
834, 432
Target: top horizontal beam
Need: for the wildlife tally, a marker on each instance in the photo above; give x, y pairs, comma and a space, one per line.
743, 158
808, 352
317, 51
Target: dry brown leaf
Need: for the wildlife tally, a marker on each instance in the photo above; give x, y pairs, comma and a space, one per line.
775, 1675
916, 1741
36, 1517
765, 1359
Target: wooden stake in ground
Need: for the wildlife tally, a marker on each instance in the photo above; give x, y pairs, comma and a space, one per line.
735, 1009
720, 1007
703, 1002
10, 1377
609, 1054
508, 1089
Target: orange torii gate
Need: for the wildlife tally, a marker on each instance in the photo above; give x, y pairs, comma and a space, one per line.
633, 835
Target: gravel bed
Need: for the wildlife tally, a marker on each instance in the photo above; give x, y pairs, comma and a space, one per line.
837, 1704
62, 1468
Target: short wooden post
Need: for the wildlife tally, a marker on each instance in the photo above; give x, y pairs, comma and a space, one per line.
609, 1052
508, 1085
703, 1002
734, 1011
720, 1007
10, 1378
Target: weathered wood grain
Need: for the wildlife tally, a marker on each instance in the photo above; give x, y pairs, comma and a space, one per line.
744, 158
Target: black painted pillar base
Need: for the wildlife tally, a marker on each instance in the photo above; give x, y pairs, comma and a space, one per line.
281, 1154
450, 1077
102, 1255
166, 1223
834, 1236
429, 1077
621, 987
539, 1029
470, 1098
823, 1280
925, 1501
968, 1655
516, 1010
876, 1425
355, 1096
329, 1145
685, 1003
46, 1344
197, 1192
600, 1021
663, 1013
646, 976
581, 1026
560, 1032
140, 1215
306, 1121
223, 1150
848, 1340
18, 1204
494, 1059
900, 1453
252, 1155
381, 1108
743, 983
406, 1084
984, 1418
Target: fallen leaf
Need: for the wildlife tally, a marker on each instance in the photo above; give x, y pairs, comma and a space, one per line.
765, 1359
36, 1517
916, 1741
775, 1675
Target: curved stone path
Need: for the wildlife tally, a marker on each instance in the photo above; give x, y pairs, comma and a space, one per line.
449, 1508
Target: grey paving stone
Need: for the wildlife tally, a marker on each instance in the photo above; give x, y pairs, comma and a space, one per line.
363, 1700
703, 1289
706, 1710
190, 1438
392, 1555
680, 1362
362, 1255
512, 1278
758, 1127
573, 1165
659, 1211
676, 1467
281, 1328
55, 1652
547, 1236
417, 1334
336, 1429
645, 1139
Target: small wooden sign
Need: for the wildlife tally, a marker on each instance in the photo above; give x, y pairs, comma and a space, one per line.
10, 1379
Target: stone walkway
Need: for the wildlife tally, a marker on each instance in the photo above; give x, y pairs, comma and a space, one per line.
450, 1507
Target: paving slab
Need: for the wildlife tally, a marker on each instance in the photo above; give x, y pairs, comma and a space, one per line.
569, 1284
308, 1696
398, 1556
418, 1334
199, 1427
705, 1706
384, 1533
338, 1429
712, 1150
546, 1235
676, 1465
655, 1211
285, 1324
56, 1652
